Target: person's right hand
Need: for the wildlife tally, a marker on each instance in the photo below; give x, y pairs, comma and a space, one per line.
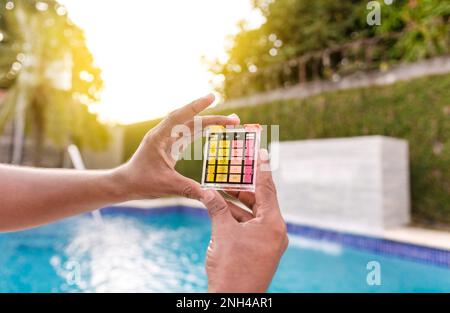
245, 248
150, 173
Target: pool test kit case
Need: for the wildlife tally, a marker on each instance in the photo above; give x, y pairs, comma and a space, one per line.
230, 156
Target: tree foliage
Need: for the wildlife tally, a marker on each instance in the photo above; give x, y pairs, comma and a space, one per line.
295, 27
44, 60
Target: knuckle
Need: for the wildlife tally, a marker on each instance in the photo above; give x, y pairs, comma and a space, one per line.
173, 116
216, 208
192, 109
148, 138
219, 209
187, 191
279, 233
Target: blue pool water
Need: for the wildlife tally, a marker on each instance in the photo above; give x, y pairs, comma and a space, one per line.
165, 253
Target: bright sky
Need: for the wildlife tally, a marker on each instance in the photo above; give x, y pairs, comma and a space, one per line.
150, 51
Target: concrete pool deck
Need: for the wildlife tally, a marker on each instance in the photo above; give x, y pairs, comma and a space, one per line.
409, 235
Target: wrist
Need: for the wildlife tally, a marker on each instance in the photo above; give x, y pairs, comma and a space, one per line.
119, 185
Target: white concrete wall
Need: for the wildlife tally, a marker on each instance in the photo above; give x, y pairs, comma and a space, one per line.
358, 184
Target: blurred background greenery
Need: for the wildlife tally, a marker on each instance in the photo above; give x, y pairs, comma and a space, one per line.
410, 30
50, 78
417, 110
397, 110
51, 81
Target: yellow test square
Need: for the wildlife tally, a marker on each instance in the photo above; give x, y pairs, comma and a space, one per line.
222, 169
210, 178
212, 161
224, 152
223, 161
221, 178
213, 144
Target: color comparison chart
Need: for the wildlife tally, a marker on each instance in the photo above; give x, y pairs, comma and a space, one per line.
230, 157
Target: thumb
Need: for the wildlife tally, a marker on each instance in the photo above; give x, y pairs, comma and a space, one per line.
217, 207
187, 187
265, 187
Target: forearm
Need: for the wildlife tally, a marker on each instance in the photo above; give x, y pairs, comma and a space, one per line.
31, 197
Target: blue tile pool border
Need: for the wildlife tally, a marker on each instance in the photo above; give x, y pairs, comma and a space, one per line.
381, 246
376, 245
126, 210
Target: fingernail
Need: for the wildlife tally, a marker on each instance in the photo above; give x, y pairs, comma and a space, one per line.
264, 154
233, 116
209, 96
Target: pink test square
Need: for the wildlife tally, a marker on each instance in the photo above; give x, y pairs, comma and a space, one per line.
247, 178
236, 152
248, 170
249, 152
238, 143
248, 161
235, 169
236, 161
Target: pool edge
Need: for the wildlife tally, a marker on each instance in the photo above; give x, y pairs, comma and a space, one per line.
383, 246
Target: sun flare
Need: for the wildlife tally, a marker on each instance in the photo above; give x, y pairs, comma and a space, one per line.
150, 52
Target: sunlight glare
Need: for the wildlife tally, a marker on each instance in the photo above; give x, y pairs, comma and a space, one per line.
150, 51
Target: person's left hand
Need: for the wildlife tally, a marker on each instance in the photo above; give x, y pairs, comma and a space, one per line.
245, 247
150, 173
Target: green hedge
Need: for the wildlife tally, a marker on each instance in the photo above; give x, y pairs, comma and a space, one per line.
416, 110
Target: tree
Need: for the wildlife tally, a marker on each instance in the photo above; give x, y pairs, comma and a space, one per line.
425, 25
293, 28
50, 75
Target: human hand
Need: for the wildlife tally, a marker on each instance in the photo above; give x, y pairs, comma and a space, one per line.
245, 248
150, 173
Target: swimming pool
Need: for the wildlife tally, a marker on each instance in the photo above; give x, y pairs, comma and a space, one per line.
165, 252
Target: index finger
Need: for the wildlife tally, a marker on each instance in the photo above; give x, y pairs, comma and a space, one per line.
184, 114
